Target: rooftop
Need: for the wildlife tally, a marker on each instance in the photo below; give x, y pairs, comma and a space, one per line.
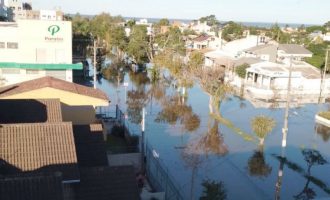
90, 145
201, 38
38, 147
104, 183
30, 111
52, 83
38, 187
293, 49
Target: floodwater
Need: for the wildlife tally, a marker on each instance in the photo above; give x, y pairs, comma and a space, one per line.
209, 158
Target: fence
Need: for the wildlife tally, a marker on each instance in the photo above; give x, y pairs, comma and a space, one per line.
159, 177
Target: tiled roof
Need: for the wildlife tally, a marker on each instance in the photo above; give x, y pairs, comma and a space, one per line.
37, 187
104, 183
90, 145
53, 83
39, 147
201, 38
30, 111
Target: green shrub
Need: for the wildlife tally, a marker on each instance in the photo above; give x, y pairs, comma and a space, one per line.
241, 70
325, 114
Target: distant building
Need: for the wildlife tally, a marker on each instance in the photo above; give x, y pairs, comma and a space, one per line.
20, 10
207, 42
201, 27
32, 49
233, 50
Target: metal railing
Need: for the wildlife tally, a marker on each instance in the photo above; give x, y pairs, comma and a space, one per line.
159, 177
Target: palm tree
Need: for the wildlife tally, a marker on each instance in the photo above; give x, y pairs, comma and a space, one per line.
262, 126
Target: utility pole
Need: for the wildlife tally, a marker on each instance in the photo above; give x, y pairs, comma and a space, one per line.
324, 72
142, 141
288, 97
94, 76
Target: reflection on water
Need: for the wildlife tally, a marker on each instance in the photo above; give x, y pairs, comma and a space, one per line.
175, 110
213, 190
222, 152
257, 165
312, 158
323, 131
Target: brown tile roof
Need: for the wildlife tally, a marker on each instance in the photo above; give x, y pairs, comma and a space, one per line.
201, 38
39, 147
90, 145
53, 83
37, 187
30, 111
104, 183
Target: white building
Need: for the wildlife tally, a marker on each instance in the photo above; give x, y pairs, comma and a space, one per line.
233, 50
201, 28
207, 42
265, 80
51, 15
32, 49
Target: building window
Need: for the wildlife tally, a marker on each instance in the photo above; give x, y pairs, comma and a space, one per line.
2, 45
10, 71
32, 71
12, 45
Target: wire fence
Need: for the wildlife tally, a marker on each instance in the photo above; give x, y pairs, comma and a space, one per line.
157, 173
159, 177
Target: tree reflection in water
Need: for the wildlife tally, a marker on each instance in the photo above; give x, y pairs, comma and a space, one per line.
174, 110
137, 98
213, 190
261, 126
323, 131
312, 158
257, 165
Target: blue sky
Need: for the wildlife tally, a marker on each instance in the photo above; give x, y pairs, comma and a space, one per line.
285, 11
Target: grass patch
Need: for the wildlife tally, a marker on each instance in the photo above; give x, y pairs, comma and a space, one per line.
118, 143
237, 130
325, 114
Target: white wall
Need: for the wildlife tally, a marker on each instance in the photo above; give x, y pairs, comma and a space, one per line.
23, 75
34, 37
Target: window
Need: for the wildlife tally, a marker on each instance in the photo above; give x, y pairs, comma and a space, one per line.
12, 45
2, 45
10, 71
32, 71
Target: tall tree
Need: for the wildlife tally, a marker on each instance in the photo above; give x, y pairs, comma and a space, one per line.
138, 45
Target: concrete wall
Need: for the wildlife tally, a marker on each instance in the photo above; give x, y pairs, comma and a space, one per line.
68, 98
78, 115
26, 75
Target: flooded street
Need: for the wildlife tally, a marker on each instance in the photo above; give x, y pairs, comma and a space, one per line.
211, 152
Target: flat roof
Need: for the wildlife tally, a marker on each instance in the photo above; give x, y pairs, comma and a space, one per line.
40, 65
